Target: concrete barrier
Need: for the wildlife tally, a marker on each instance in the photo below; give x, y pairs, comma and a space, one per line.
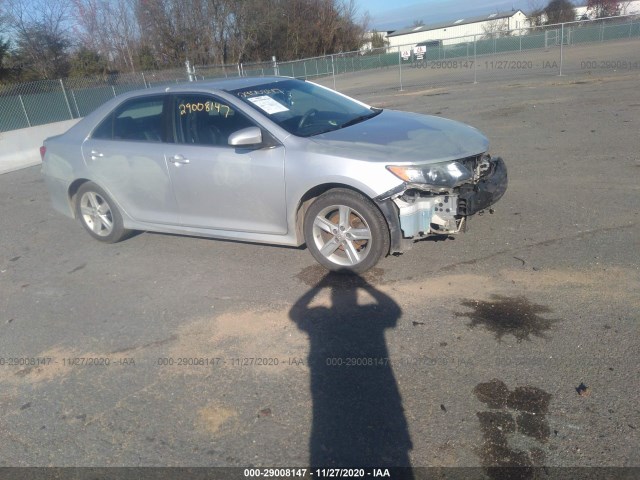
21, 148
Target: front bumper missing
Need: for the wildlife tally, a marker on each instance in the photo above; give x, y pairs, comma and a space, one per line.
445, 214
429, 215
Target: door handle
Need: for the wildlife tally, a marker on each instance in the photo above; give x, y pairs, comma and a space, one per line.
95, 155
178, 160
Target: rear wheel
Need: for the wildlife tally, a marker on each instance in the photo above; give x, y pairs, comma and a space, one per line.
345, 231
98, 214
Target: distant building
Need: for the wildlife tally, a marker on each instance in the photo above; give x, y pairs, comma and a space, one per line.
630, 8
448, 33
626, 8
367, 45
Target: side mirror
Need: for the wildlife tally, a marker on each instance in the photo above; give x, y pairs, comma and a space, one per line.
251, 136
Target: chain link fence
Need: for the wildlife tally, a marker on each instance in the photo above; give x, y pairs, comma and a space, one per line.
596, 47
564, 49
46, 101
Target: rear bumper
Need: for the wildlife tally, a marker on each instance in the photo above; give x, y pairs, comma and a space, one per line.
473, 198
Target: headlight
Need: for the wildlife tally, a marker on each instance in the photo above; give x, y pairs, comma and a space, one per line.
449, 174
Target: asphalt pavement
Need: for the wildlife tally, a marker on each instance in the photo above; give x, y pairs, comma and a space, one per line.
514, 344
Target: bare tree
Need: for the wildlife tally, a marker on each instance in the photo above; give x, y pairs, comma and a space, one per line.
124, 30
197, 30
126, 35
5, 71
496, 28
109, 28
624, 7
604, 8
5, 47
353, 32
159, 31
537, 15
41, 29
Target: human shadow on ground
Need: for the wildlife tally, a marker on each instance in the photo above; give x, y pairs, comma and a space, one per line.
358, 417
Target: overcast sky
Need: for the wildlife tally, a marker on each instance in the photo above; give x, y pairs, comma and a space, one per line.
390, 15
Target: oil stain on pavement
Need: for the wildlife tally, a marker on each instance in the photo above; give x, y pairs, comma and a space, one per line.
504, 315
515, 417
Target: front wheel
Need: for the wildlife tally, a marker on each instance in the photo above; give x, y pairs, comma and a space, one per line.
345, 231
98, 214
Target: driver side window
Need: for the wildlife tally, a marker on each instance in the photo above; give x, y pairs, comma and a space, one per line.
206, 120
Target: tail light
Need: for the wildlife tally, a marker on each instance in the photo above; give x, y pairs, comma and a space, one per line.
43, 150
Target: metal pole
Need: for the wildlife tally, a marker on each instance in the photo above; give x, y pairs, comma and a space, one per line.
400, 66
475, 61
75, 102
304, 64
561, 45
24, 110
190, 71
66, 99
144, 80
333, 69
113, 89
546, 40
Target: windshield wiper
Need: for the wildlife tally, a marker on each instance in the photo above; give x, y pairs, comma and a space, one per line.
321, 131
361, 118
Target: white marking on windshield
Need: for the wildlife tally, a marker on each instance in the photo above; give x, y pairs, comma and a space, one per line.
268, 104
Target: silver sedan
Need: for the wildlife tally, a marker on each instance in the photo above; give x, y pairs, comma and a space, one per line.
273, 160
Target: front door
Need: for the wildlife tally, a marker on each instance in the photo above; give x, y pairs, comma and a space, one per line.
218, 186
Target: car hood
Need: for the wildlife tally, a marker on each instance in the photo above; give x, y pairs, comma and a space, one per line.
399, 137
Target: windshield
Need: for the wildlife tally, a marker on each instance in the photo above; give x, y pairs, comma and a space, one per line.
304, 109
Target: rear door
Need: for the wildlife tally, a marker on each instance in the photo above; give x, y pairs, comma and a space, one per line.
218, 186
125, 155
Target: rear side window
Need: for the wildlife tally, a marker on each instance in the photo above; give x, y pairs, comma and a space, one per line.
139, 119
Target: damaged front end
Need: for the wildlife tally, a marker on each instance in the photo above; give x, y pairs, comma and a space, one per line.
436, 199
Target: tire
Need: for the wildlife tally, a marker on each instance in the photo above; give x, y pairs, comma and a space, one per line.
345, 231
99, 215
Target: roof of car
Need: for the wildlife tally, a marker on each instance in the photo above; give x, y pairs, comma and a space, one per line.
223, 84
227, 84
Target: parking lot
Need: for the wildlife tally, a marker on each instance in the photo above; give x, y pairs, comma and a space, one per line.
514, 344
